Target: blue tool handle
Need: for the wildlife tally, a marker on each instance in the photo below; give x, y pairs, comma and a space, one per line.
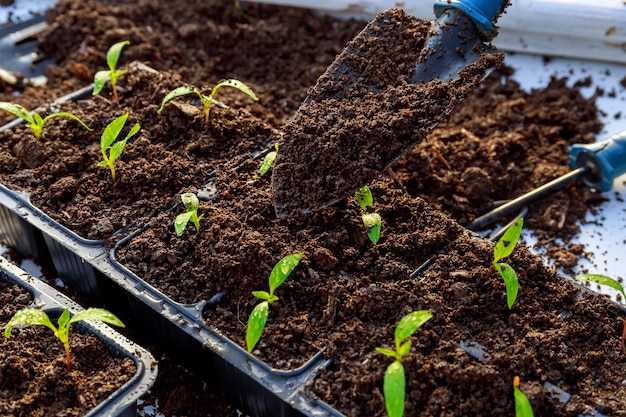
606, 160
482, 12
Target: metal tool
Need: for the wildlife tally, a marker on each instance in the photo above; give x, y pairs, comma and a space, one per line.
596, 164
455, 42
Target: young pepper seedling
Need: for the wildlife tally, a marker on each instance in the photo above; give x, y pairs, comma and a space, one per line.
604, 280
371, 220
110, 134
191, 203
394, 381
503, 248
28, 316
268, 161
35, 121
112, 74
258, 316
207, 100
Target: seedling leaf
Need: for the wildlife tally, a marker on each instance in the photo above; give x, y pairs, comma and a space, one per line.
603, 280
235, 84
99, 80
374, 222
506, 244
510, 282
98, 314
394, 389
181, 221
268, 161
403, 349
386, 352
27, 316
522, 405
364, 197
18, 111
263, 295
282, 269
409, 324
61, 114
256, 324
177, 92
113, 54
112, 131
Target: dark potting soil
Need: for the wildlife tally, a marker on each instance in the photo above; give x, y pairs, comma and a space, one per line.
501, 142
34, 380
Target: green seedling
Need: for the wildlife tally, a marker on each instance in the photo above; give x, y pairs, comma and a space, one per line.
101, 77
604, 280
371, 220
522, 405
260, 313
35, 121
394, 381
242, 13
191, 203
28, 316
268, 161
503, 248
109, 136
207, 100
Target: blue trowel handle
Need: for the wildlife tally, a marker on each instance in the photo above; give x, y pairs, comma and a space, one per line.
605, 161
482, 12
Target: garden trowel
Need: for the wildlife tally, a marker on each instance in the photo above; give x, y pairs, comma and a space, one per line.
382, 95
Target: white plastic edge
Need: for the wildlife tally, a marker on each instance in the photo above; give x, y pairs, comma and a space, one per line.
584, 29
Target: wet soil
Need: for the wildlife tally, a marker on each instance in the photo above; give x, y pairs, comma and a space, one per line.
347, 294
34, 379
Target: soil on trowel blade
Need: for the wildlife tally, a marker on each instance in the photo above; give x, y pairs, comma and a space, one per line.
364, 113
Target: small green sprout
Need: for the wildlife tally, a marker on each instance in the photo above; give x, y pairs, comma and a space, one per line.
268, 161
27, 316
604, 280
110, 134
258, 316
522, 405
503, 248
191, 204
207, 99
242, 13
394, 381
101, 77
371, 219
35, 121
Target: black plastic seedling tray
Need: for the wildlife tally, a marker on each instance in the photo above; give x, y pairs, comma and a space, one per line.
123, 402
